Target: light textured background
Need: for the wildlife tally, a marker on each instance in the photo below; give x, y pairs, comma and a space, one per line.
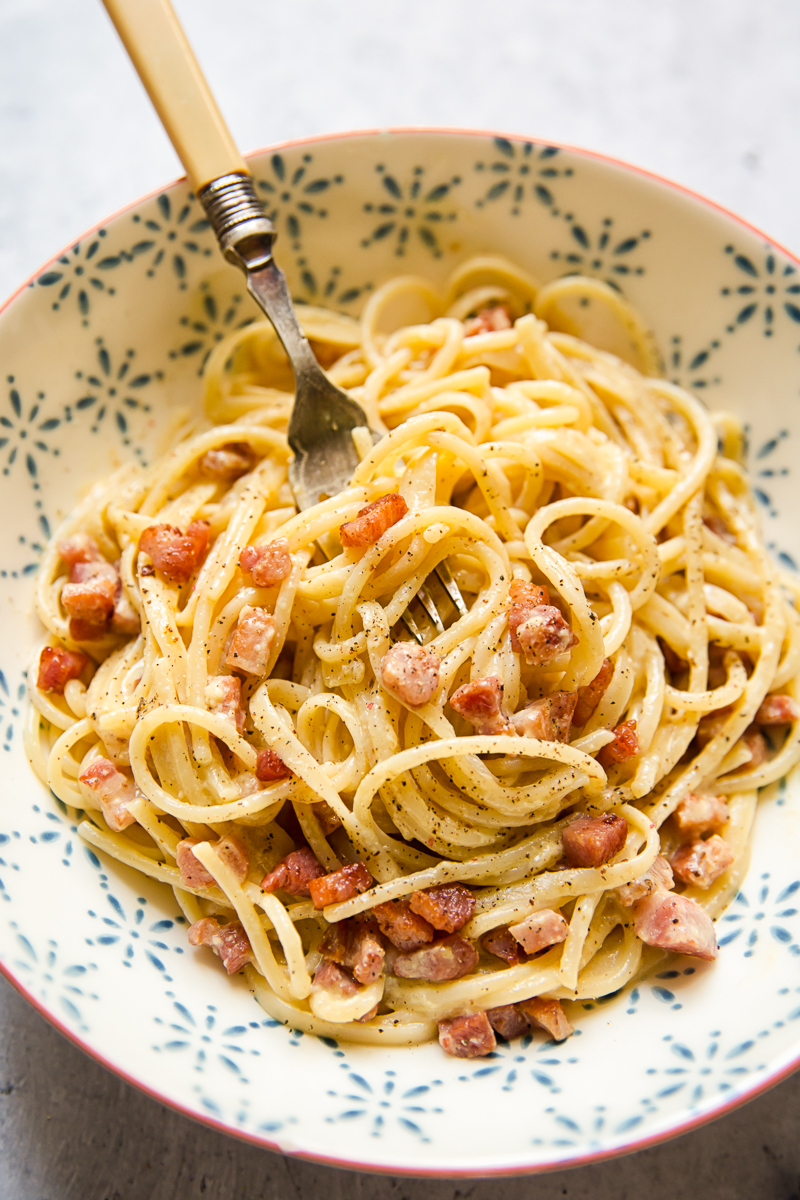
704, 91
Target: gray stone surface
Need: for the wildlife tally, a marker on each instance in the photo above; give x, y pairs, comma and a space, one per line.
704, 91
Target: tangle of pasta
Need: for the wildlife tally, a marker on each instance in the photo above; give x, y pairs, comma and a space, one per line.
527, 810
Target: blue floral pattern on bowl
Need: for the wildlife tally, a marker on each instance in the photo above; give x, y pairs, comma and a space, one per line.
101, 353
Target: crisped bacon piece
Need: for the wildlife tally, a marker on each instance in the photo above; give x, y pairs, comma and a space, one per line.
227, 462
404, 928
371, 522
701, 863
113, 790
777, 709
470, 1036
250, 645
508, 1021
411, 672
675, 923
89, 596
229, 849
447, 907
124, 619
590, 695
330, 976
224, 697
355, 943
449, 958
548, 1015
57, 667
544, 636
79, 548
340, 885
658, 877
491, 319
294, 873
267, 565
624, 746
502, 944
541, 929
549, 718
176, 555
228, 941
524, 599
481, 703
269, 767
592, 841
698, 814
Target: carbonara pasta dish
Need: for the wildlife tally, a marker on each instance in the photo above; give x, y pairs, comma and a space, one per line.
401, 832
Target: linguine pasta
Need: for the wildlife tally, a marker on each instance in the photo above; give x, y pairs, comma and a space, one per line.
526, 811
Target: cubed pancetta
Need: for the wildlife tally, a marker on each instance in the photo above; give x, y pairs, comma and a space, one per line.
267, 565
57, 667
229, 849
491, 319
523, 600
333, 978
224, 697
548, 1015
698, 813
659, 876
340, 885
226, 463
447, 907
448, 958
468, 1036
79, 548
176, 555
230, 942
481, 703
88, 598
113, 790
777, 709
549, 719
270, 767
371, 522
540, 930
590, 695
508, 1021
251, 642
545, 636
593, 841
294, 873
677, 923
702, 862
410, 672
624, 746
502, 944
356, 944
404, 928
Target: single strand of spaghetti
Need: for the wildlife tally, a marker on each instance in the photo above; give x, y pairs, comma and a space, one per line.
148, 816
702, 462
66, 789
789, 665
398, 403
159, 615
245, 911
475, 409
414, 287
738, 637
576, 937
616, 625
299, 978
715, 698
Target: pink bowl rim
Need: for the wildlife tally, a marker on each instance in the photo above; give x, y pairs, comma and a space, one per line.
580, 1160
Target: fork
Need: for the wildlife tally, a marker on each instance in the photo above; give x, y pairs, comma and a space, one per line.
323, 417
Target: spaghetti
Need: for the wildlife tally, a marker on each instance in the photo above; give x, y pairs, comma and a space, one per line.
528, 809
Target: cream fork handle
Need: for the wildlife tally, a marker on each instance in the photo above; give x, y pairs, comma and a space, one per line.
167, 67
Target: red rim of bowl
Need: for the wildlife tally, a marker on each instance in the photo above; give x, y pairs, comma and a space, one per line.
579, 1160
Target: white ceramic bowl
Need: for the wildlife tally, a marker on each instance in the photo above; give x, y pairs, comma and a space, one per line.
99, 351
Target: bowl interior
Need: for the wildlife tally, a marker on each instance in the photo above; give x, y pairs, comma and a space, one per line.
102, 354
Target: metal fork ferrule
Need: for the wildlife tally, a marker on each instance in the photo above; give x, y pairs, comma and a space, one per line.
244, 231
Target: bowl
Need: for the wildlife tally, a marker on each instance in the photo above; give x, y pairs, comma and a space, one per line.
102, 353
